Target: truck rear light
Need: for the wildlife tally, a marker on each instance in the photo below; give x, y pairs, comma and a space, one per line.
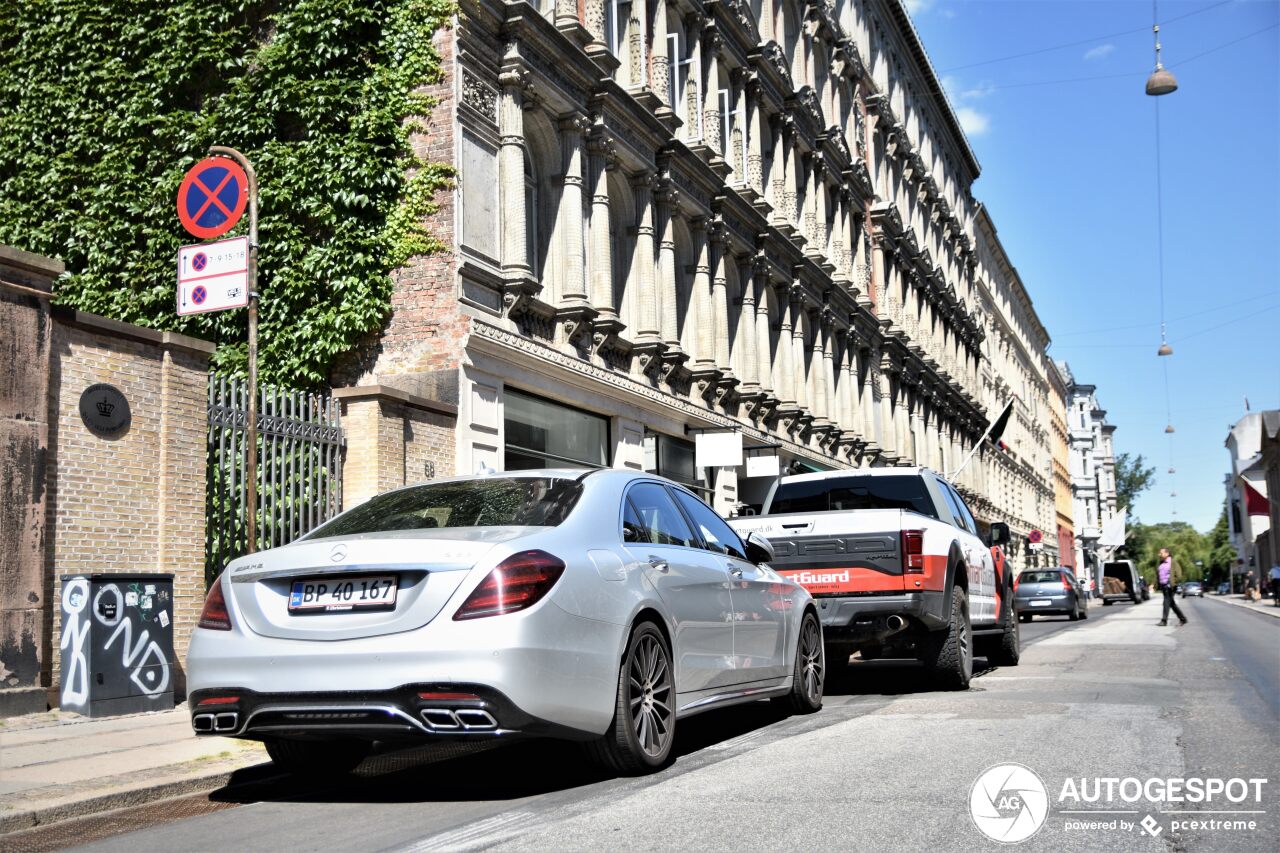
913, 552
214, 616
518, 582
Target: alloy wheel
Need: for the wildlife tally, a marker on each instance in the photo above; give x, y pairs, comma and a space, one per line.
811, 662
649, 676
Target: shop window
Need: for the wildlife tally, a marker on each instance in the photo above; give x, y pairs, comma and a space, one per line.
543, 434
673, 458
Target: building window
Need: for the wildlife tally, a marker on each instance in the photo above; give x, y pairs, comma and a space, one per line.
543, 434
531, 216
684, 82
673, 458
617, 18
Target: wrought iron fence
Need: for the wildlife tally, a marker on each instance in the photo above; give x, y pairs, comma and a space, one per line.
300, 452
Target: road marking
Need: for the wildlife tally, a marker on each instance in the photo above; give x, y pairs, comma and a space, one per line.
474, 836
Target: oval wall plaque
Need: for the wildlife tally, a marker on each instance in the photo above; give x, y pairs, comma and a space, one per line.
104, 410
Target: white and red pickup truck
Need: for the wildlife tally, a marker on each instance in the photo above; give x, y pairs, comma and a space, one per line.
897, 565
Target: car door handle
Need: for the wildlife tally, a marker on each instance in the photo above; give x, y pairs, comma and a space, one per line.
659, 564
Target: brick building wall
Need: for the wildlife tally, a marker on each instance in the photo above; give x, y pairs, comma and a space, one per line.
136, 502
393, 439
418, 349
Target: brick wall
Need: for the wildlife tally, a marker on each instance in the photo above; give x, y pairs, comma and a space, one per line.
419, 348
393, 439
135, 502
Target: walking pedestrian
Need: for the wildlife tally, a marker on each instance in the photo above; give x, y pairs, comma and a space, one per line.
1274, 576
1169, 576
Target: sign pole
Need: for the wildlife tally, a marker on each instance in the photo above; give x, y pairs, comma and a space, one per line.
251, 461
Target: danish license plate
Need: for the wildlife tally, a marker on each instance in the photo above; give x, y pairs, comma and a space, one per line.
1041, 602
330, 594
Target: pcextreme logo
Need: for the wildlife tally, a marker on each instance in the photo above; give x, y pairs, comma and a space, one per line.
1008, 803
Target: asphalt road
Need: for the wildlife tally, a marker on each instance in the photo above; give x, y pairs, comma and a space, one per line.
886, 765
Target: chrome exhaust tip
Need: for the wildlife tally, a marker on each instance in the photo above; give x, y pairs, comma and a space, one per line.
227, 722
438, 719
202, 723
895, 623
474, 718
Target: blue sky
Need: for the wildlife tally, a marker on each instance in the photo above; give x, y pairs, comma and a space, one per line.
1069, 175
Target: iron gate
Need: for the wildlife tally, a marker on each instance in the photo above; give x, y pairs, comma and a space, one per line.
300, 450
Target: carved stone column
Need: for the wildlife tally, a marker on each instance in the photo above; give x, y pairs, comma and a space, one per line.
566, 13
666, 198
784, 371
607, 325
820, 390
648, 337
744, 350
569, 221
515, 256
659, 62
765, 374
799, 316
701, 316
755, 132
711, 130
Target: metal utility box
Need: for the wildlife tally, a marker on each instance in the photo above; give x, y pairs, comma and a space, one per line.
117, 643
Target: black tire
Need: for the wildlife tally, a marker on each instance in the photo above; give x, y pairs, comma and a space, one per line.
318, 757
1084, 611
1106, 602
810, 669
948, 654
1006, 649
1074, 615
639, 741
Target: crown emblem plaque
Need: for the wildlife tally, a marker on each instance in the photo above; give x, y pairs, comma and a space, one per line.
105, 411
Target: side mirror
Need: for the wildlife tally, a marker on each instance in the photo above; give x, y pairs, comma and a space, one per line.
759, 549
999, 533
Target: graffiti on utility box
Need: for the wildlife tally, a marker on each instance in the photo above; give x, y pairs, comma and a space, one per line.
117, 643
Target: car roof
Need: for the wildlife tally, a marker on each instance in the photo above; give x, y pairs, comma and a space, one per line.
856, 472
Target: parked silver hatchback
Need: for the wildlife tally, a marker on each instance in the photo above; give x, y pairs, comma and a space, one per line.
600, 607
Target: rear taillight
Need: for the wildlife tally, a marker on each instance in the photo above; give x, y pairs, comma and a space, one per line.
215, 616
913, 551
1066, 584
518, 582
218, 700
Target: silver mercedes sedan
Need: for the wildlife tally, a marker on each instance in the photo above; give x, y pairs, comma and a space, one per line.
600, 607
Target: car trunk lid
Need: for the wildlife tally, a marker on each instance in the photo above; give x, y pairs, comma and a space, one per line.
427, 568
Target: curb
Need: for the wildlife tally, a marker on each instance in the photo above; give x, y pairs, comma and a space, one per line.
1267, 609
24, 820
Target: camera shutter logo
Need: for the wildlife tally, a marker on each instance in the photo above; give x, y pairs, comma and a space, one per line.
1009, 803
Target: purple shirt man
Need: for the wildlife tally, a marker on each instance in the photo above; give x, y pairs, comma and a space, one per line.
1165, 575
1166, 567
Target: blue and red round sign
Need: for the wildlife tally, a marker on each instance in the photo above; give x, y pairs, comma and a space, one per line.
212, 197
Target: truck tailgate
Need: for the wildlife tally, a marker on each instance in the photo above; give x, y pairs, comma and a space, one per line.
834, 553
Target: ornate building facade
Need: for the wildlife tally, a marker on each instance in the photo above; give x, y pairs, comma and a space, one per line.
683, 215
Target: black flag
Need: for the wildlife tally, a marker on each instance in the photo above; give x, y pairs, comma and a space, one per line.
997, 429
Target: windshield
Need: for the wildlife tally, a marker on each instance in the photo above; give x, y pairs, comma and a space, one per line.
1039, 577
490, 502
905, 491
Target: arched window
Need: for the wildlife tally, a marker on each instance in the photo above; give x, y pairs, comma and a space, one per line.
542, 156
687, 302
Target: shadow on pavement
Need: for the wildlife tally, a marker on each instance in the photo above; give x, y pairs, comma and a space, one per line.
889, 677
468, 772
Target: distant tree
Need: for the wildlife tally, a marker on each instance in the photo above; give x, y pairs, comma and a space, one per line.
1133, 477
1221, 553
1183, 541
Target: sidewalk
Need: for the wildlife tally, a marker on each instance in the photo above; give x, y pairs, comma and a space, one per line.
55, 766
1266, 605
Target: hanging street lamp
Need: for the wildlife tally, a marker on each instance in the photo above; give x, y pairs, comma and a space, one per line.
1161, 81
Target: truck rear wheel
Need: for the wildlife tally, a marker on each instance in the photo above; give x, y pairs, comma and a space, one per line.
948, 654
1006, 648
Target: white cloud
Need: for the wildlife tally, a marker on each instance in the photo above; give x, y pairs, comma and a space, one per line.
957, 94
918, 7
1099, 52
973, 122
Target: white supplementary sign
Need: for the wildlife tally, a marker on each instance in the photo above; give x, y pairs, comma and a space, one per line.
763, 465
717, 450
213, 276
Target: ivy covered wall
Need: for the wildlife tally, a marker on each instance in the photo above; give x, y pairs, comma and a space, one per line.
106, 103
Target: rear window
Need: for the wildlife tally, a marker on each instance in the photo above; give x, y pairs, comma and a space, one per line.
1040, 577
854, 492
1117, 570
491, 502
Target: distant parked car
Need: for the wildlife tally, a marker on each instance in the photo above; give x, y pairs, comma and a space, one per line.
1193, 588
1050, 591
1224, 588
